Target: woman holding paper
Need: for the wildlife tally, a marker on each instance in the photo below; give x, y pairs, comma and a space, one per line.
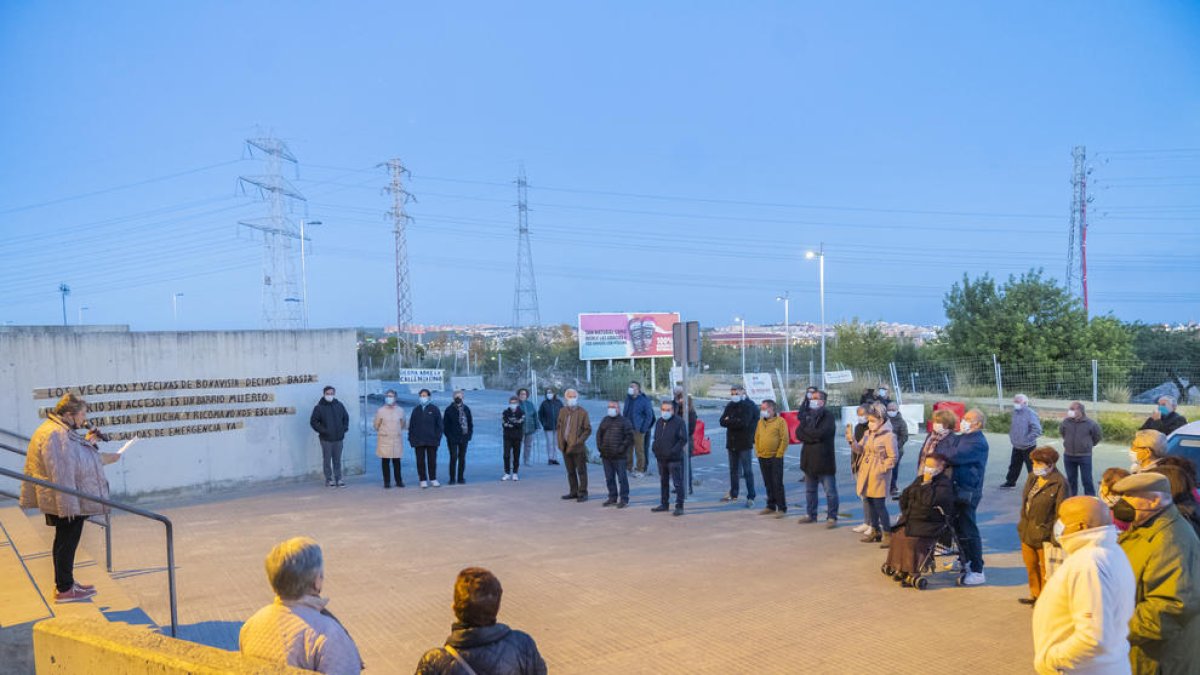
60, 453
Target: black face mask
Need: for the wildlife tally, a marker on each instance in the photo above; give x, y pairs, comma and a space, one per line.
1124, 511
458, 399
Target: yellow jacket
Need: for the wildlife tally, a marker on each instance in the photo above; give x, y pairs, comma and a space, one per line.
771, 438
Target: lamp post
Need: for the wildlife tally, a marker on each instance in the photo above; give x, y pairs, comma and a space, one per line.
743, 321
81, 311
65, 290
819, 254
175, 309
304, 270
787, 337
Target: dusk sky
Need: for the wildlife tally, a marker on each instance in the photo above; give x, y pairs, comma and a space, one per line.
680, 155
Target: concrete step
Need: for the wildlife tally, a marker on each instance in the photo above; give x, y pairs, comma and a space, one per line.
20, 600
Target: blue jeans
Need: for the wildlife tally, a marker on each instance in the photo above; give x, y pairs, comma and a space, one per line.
1079, 470
829, 482
614, 472
968, 530
739, 467
877, 514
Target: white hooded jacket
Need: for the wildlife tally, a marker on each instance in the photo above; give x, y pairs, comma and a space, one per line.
1081, 620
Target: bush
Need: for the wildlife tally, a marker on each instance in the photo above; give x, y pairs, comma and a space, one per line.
1118, 427
1116, 393
611, 383
999, 423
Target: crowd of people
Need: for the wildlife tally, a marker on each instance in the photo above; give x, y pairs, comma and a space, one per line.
1113, 573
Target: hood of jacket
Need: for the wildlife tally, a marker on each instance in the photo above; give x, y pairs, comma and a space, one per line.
466, 637
1104, 536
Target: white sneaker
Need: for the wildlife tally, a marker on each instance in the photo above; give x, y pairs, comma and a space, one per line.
434, 483
861, 529
424, 483
974, 579
516, 477
505, 477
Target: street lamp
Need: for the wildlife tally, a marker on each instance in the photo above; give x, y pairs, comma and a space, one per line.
304, 267
787, 336
175, 309
81, 311
64, 290
819, 254
743, 321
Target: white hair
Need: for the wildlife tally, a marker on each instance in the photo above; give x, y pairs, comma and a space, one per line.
1169, 399
569, 392
1021, 398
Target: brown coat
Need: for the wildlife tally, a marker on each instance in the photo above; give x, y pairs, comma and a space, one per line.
60, 455
574, 428
389, 424
878, 448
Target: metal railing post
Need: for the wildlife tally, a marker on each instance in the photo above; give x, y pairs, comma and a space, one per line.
1095, 380
108, 542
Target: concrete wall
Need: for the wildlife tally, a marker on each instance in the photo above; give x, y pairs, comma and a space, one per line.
265, 448
74, 645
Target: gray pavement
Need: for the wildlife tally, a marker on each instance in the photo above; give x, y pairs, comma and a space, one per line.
720, 590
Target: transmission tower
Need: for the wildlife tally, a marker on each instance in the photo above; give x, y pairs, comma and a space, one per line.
404, 311
525, 301
1077, 281
281, 301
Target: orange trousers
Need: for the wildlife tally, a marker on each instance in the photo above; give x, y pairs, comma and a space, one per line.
1035, 565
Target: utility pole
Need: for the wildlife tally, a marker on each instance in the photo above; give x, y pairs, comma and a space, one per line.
400, 219
1077, 282
281, 301
525, 300
175, 309
65, 290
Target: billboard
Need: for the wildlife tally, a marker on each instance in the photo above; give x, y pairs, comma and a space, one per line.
636, 335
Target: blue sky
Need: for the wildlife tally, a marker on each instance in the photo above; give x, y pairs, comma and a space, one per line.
681, 155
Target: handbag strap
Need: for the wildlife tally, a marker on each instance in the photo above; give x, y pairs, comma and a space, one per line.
458, 657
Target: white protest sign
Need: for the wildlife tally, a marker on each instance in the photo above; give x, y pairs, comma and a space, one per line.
759, 386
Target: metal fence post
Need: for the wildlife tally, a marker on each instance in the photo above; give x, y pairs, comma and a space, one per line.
999, 382
896, 383
1095, 380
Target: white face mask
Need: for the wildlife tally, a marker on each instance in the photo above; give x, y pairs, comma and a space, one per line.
939, 429
1059, 528
631, 391
390, 400
892, 413
666, 414
817, 404
930, 471
1042, 472
424, 400
883, 392
612, 412
329, 397
514, 406
859, 419
549, 396
1070, 413
734, 398
764, 414
1018, 406
1133, 457
572, 401
965, 427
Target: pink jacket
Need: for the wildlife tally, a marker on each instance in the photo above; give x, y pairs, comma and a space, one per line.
59, 454
301, 634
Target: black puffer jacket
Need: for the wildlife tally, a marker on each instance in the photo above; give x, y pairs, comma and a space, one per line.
330, 420
614, 437
490, 650
816, 431
919, 506
740, 421
425, 426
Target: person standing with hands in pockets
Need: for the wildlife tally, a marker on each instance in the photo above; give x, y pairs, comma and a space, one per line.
331, 422
512, 420
389, 426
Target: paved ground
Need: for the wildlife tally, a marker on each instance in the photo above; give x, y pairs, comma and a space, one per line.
720, 590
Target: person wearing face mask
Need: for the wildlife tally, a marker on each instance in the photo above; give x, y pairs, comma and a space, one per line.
940, 437
61, 453
817, 459
614, 440
878, 451
331, 422
771, 443
738, 418
297, 629
1147, 450
1164, 634
1023, 433
1079, 434
640, 413
925, 506
459, 427
512, 421
1108, 479
1044, 490
548, 417
806, 404
425, 427
574, 428
967, 457
1082, 616
670, 442
1164, 419
856, 428
900, 428
531, 423
389, 426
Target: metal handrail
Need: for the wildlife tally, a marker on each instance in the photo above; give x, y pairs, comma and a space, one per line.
128, 509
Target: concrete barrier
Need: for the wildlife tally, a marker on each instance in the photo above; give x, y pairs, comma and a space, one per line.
73, 645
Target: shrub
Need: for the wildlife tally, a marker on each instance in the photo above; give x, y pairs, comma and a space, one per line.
999, 423
1116, 393
1118, 427
611, 383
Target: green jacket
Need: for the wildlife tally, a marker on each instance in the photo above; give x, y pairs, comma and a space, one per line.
1165, 630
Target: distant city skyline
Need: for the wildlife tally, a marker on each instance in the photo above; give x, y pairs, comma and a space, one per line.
679, 157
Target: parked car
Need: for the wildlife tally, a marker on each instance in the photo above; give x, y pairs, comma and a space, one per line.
1185, 441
